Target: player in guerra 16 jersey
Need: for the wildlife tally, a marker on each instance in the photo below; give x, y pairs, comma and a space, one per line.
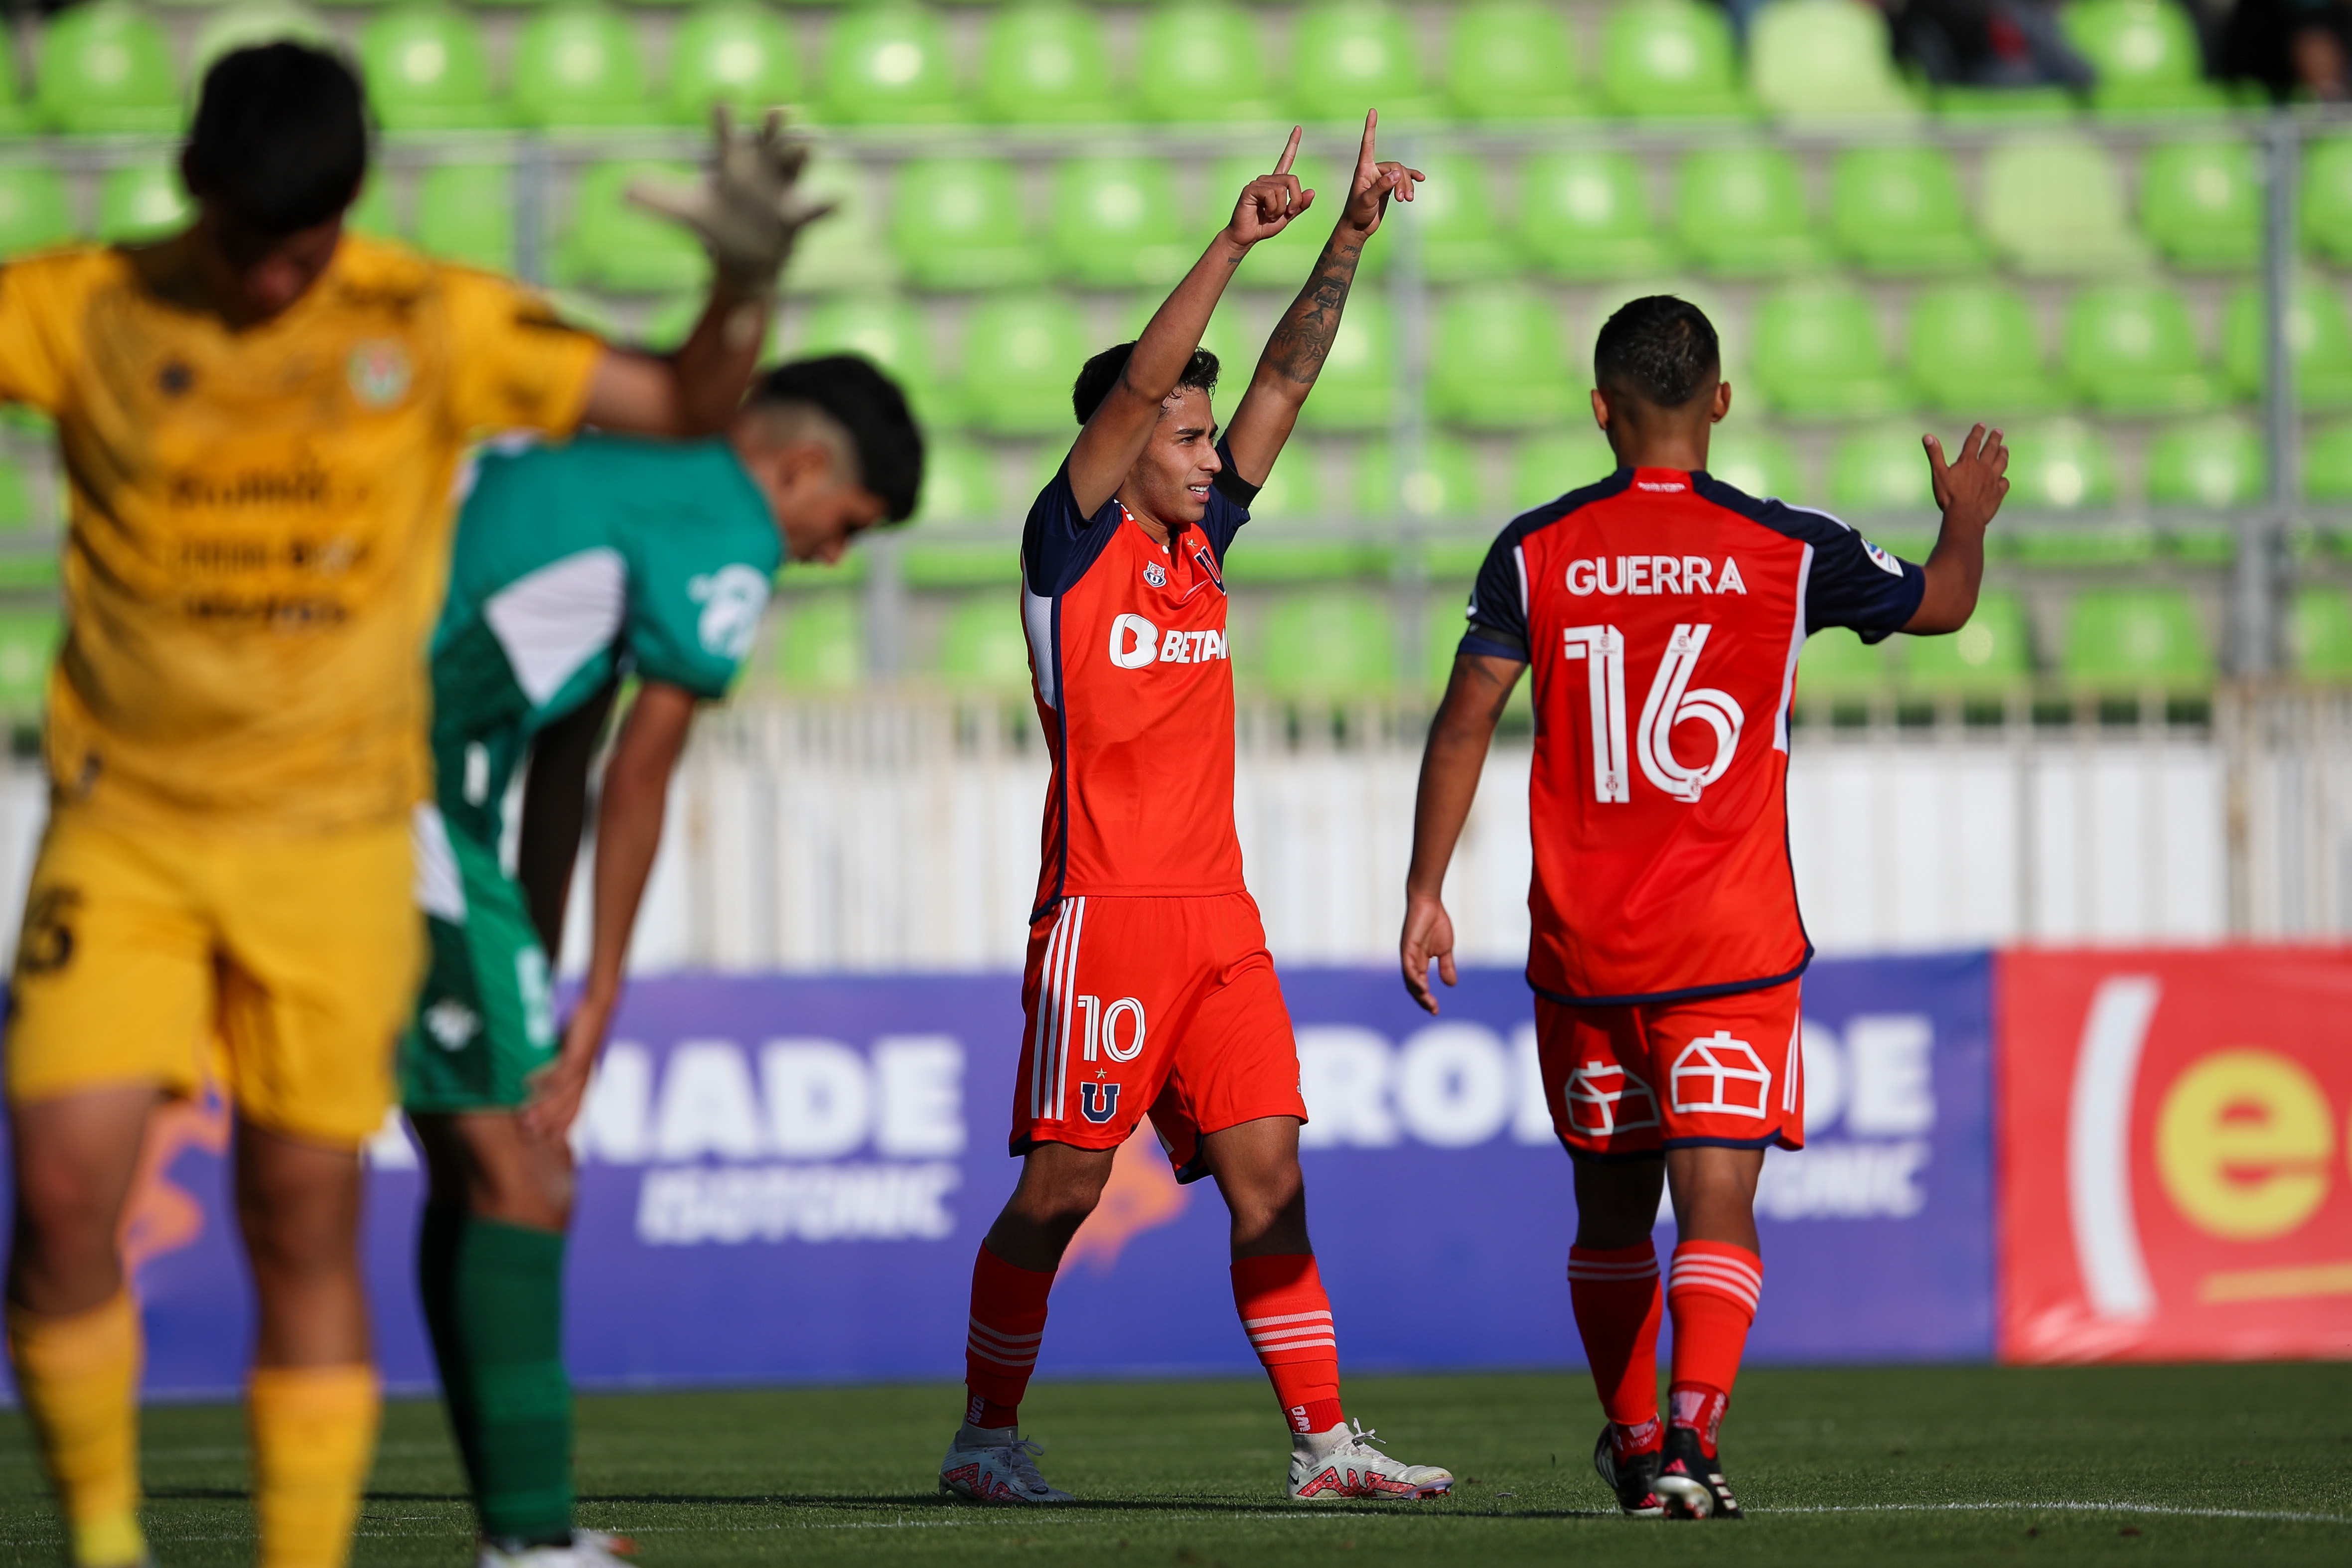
1662, 614
1149, 987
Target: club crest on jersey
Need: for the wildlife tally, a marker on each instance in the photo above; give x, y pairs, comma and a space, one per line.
1098, 1102
732, 599
1155, 574
1656, 574
1882, 559
379, 372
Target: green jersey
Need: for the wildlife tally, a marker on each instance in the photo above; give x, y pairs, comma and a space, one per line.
577, 561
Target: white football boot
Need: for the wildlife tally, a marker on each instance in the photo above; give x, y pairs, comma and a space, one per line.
589, 1549
996, 1465
1343, 1463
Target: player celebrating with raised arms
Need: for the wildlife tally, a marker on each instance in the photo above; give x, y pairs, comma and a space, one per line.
574, 566
1148, 986
262, 418
1667, 944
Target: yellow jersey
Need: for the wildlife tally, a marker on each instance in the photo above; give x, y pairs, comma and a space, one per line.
260, 518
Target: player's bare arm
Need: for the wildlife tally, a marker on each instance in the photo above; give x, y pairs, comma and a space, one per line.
1968, 491
1114, 437
628, 831
1294, 355
747, 214
1459, 736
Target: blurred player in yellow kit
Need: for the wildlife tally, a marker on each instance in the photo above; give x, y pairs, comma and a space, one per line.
262, 419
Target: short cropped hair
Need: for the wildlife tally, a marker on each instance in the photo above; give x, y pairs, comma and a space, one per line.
850, 391
280, 137
1658, 348
1101, 374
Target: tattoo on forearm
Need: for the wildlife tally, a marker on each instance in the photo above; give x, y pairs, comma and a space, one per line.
1303, 340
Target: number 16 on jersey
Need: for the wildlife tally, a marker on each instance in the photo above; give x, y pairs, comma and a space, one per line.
1672, 700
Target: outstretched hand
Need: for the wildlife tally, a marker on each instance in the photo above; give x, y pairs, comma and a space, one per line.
1970, 490
749, 210
1268, 203
1428, 933
1374, 183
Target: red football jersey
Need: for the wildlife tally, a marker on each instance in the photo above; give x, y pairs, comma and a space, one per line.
1135, 687
1662, 615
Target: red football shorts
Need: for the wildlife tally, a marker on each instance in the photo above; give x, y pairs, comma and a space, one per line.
1165, 1005
1637, 1079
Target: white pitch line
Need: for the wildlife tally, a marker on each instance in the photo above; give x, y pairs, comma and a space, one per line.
2156, 1507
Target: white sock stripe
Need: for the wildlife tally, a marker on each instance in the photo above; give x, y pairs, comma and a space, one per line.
1323, 1316
1713, 1263
1578, 1270
1325, 1326
1010, 1364
1266, 1350
979, 1330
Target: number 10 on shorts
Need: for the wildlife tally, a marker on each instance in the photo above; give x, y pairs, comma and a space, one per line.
1103, 1025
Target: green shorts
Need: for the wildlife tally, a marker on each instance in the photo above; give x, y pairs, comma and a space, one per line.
485, 1020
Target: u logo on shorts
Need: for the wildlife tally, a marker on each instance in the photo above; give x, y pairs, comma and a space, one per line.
1098, 1102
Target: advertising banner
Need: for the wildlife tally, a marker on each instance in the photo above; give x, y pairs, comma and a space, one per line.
784, 1179
2172, 1151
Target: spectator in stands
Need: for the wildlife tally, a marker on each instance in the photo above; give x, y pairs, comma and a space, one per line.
2295, 48
1986, 43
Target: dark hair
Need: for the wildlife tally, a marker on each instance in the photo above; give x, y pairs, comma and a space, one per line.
1101, 374
280, 137
1659, 349
849, 390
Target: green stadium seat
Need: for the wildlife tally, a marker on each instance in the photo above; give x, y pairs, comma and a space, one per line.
956, 223
34, 211
28, 644
16, 513
2058, 466
1974, 351
1836, 662
961, 563
1545, 467
2318, 332
578, 66
2131, 348
1332, 644
1498, 360
1896, 209
1276, 561
1358, 387
18, 115
2053, 205
734, 53
2328, 465
2211, 464
250, 22
2144, 55
2127, 640
141, 202
1669, 59
1992, 652
1202, 62
1742, 212
371, 213
465, 213
821, 645
983, 644
1442, 485
1817, 355
667, 325
2326, 196
847, 250
106, 69
888, 64
1825, 61
427, 68
1512, 59
1021, 352
892, 333
2201, 202
1047, 62
1754, 461
1585, 214
613, 243
960, 483
2319, 634
1880, 470
1962, 105
1453, 221
1114, 222
1348, 56
1229, 338
1294, 490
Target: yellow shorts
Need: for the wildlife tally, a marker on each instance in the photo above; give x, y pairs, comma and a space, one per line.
282, 969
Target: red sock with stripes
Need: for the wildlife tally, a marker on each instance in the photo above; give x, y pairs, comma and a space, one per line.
1614, 1291
1713, 1299
1008, 1321
1288, 1319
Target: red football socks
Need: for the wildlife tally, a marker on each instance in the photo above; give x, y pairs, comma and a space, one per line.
1008, 1321
1614, 1291
1288, 1319
1713, 1299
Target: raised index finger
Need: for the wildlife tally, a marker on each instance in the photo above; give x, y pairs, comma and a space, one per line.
1282, 165
1364, 158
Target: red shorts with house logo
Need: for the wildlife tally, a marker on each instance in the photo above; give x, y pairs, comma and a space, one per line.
1168, 1006
1639, 1078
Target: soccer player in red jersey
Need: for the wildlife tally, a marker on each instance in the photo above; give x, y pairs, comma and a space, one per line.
1662, 612
1148, 986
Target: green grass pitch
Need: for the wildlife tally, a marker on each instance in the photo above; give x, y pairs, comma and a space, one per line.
2244, 1464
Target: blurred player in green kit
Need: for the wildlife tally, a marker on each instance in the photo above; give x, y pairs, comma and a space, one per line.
576, 567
